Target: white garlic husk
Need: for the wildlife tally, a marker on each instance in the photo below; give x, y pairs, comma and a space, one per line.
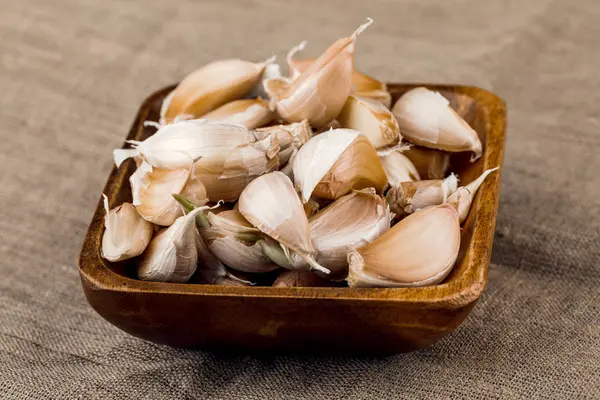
463, 197
408, 197
420, 250
126, 235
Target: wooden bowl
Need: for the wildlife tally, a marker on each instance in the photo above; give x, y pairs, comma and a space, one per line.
329, 319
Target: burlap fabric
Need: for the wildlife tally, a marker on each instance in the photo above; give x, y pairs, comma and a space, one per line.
72, 75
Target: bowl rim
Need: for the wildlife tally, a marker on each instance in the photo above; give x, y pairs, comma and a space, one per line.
456, 293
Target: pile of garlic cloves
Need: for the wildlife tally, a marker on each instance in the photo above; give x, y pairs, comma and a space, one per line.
309, 179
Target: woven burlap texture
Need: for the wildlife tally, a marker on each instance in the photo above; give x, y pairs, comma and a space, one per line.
72, 75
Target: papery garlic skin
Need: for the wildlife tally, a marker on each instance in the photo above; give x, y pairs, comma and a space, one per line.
426, 118
372, 119
420, 250
172, 255
249, 113
399, 168
126, 235
430, 163
293, 135
463, 197
300, 279
408, 197
212, 86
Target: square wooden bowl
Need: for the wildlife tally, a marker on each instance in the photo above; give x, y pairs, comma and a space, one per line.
338, 320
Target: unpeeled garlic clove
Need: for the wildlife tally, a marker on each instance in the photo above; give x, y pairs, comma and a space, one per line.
152, 190
372, 119
126, 235
335, 162
351, 221
426, 118
408, 197
430, 163
463, 197
293, 135
319, 93
271, 204
300, 279
212, 86
399, 168
420, 250
172, 255
250, 113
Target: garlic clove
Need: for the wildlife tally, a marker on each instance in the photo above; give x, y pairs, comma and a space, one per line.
463, 197
250, 113
319, 93
408, 197
271, 204
300, 279
426, 118
372, 119
335, 162
177, 145
430, 163
172, 255
272, 70
351, 221
292, 135
152, 190
126, 235
212, 86
398, 168
420, 250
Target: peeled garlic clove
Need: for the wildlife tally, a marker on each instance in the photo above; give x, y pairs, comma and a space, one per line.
271, 204
319, 93
152, 190
372, 119
250, 113
408, 197
126, 235
351, 221
335, 162
177, 145
430, 163
426, 118
212, 86
420, 250
300, 279
172, 255
288, 136
463, 197
399, 168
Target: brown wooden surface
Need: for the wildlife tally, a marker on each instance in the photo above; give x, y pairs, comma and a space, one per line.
340, 320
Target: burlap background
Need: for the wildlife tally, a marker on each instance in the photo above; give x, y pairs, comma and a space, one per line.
72, 75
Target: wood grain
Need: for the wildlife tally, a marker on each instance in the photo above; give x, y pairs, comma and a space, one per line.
328, 319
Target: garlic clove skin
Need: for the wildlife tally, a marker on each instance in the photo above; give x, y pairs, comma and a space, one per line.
420, 250
172, 255
300, 279
426, 118
372, 119
398, 168
293, 135
408, 197
351, 221
152, 190
430, 163
463, 197
126, 235
334, 163
249, 113
271, 204
319, 93
272, 70
212, 86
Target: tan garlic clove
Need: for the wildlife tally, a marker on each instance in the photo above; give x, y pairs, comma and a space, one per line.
250, 113
430, 163
420, 250
212, 86
463, 197
408, 197
399, 168
271, 204
334, 163
319, 93
300, 279
426, 118
288, 136
152, 190
351, 221
126, 235
372, 119
172, 255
